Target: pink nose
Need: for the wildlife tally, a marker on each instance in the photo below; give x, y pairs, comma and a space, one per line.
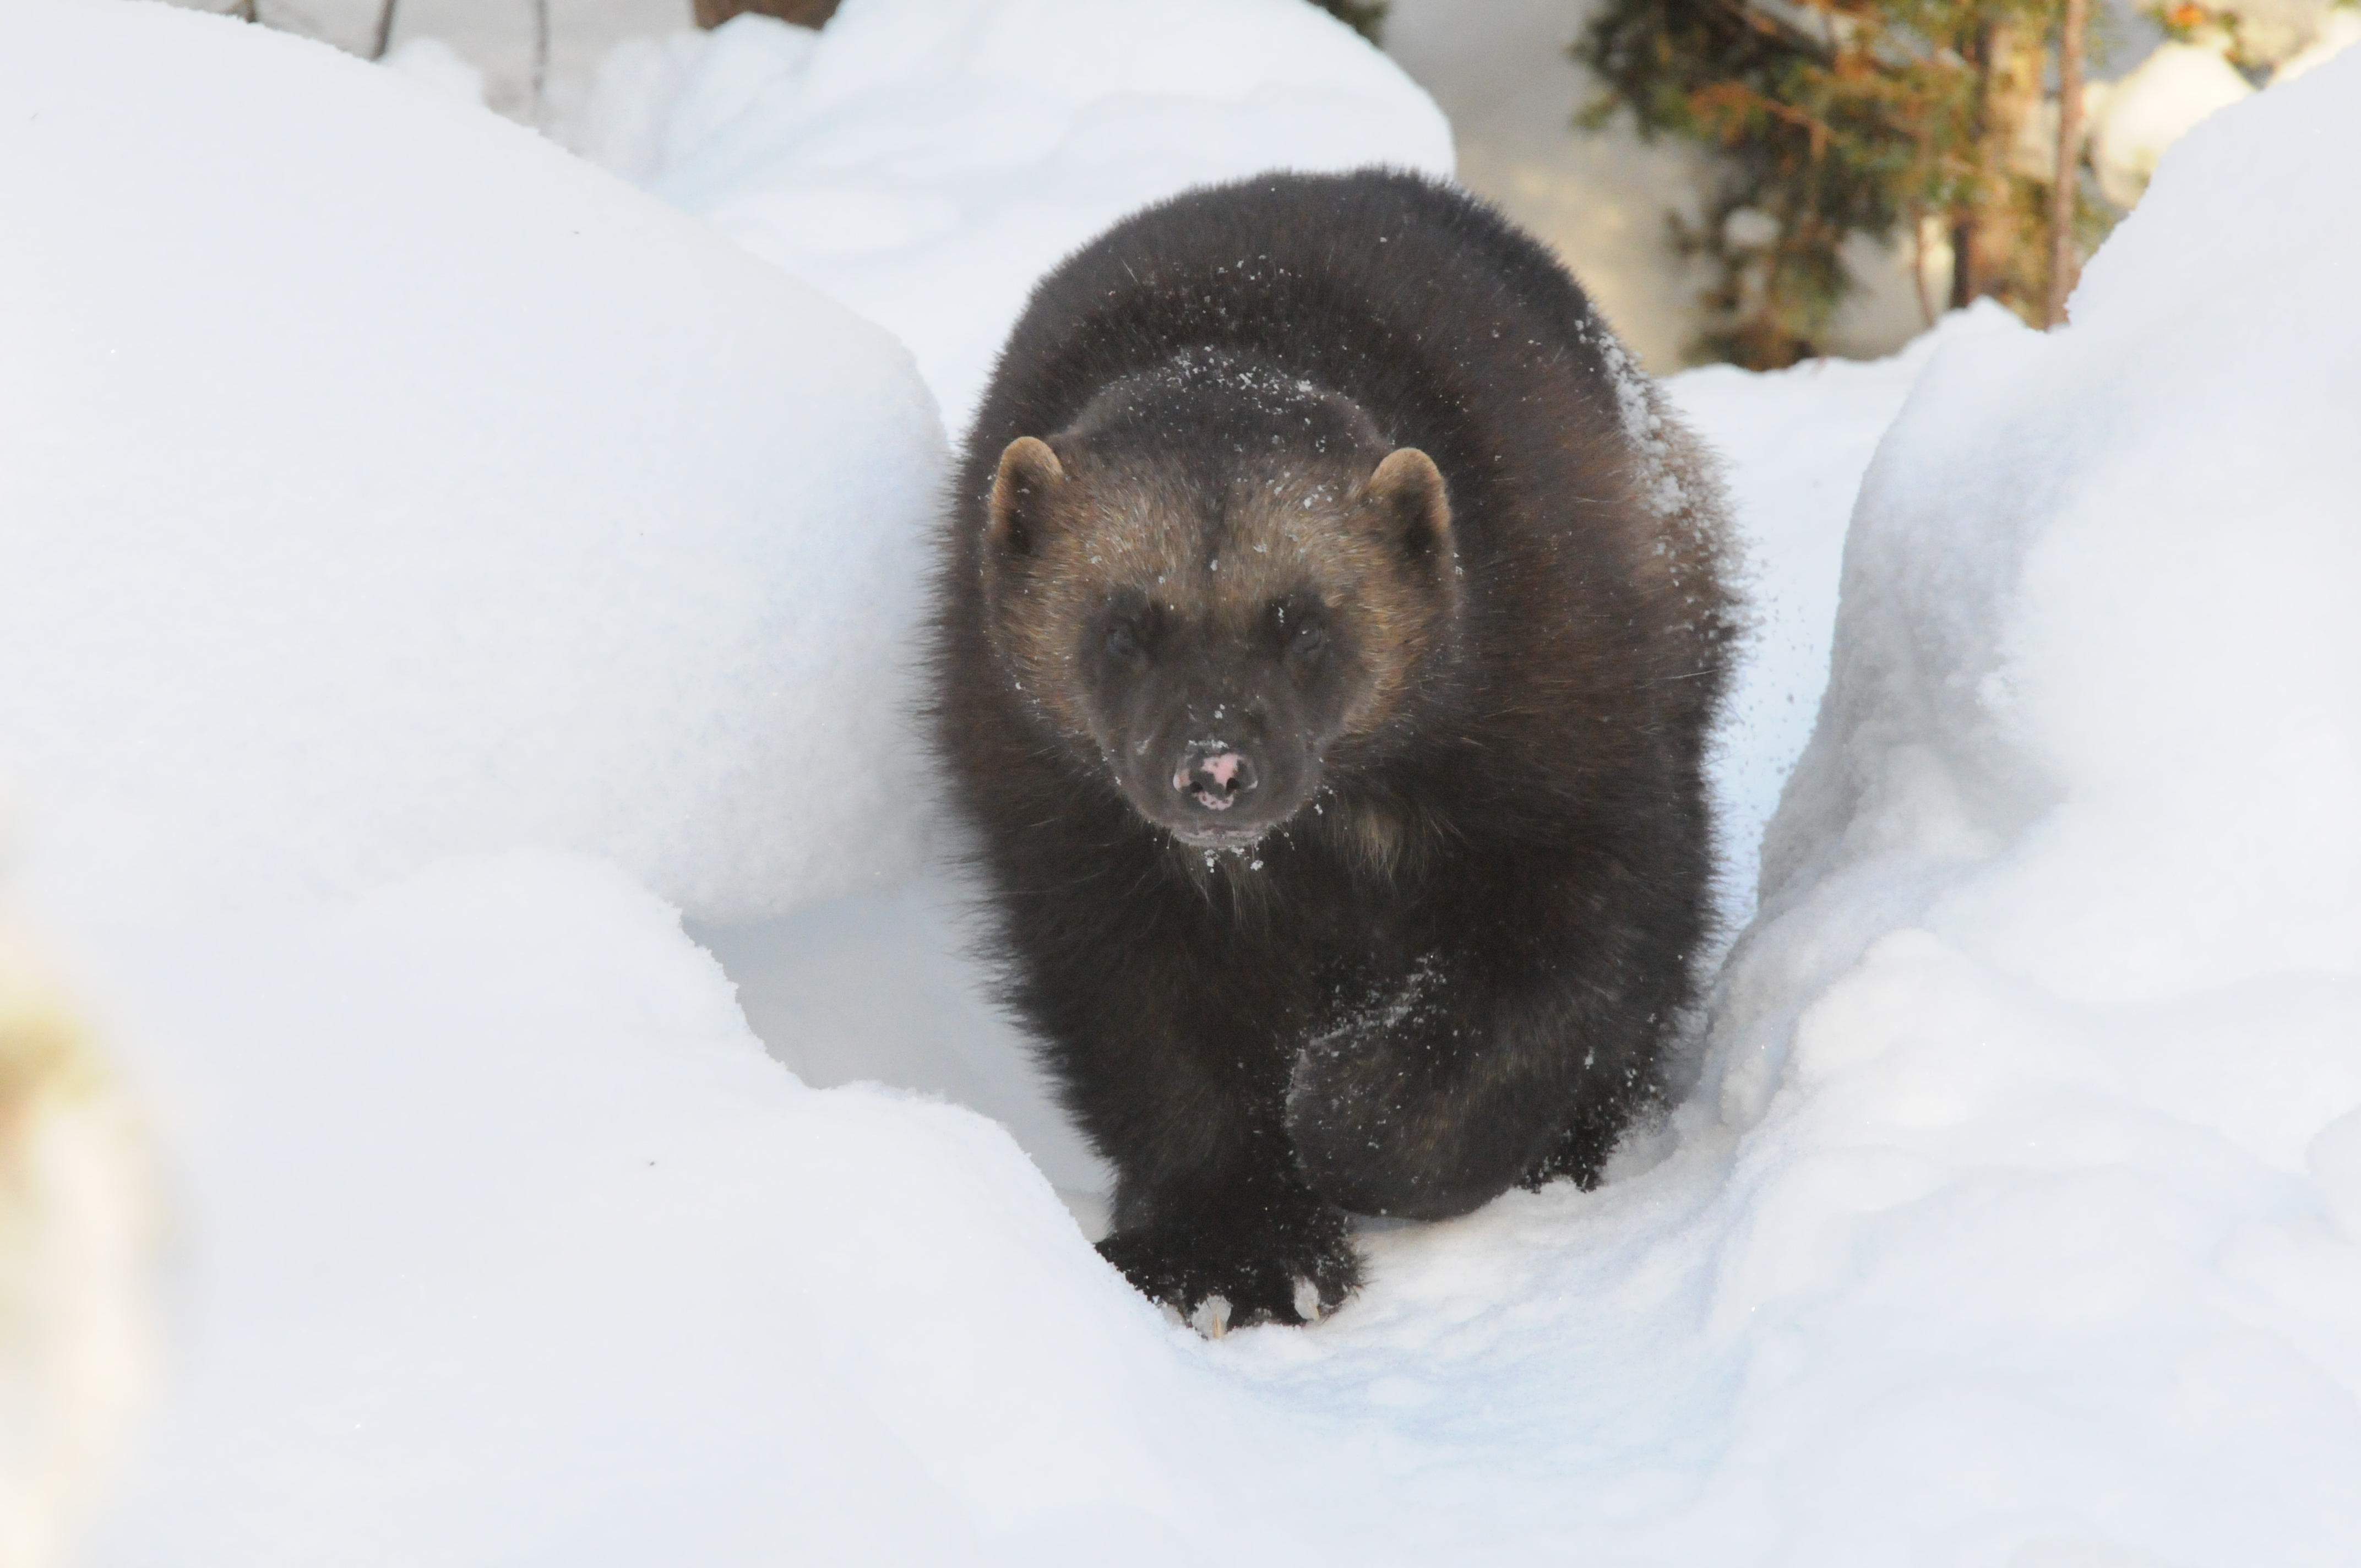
1214, 780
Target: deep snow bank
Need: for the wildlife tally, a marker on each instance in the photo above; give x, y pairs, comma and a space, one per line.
378, 483
2046, 1050
2095, 646
925, 161
513, 1246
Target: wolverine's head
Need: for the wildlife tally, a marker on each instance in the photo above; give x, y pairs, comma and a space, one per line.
1212, 578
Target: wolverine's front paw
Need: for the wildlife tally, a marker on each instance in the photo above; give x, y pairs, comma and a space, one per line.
1218, 1281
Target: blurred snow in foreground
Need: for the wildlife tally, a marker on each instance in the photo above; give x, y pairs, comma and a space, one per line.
78, 1200
426, 565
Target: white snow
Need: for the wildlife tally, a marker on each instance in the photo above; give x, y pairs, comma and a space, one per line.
371, 751
395, 486
2043, 1059
515, 1247
926, 160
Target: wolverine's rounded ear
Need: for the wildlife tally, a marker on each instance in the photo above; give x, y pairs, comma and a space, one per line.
1409, 487
1029, 471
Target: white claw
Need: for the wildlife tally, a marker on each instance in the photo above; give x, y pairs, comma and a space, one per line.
1211, 1318
1307, 1300
1172, 1314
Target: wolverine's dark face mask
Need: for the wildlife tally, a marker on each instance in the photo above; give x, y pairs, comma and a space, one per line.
1214, 615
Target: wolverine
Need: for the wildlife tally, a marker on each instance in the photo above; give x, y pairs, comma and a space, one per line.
1330, 621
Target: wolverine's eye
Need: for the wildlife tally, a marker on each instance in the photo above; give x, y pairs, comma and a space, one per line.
1128, 629
1299, 623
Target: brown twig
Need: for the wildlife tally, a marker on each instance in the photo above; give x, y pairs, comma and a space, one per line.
2068, 179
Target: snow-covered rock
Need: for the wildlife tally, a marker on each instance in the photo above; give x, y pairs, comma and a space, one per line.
926, 160
378, 483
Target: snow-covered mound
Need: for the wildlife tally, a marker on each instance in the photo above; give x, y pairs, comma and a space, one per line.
516, 1248
378, 483
2046, 1050
2096, 646
926, 160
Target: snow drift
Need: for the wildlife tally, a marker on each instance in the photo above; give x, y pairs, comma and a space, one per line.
2047, 1049
516, 1248
926, 160
378, 483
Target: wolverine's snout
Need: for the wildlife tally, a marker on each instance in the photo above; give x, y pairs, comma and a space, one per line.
1212, 777
1219, 789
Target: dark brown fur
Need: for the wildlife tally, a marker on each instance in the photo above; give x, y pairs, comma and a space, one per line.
1447, 948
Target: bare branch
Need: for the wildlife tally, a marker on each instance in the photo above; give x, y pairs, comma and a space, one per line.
2068, 180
